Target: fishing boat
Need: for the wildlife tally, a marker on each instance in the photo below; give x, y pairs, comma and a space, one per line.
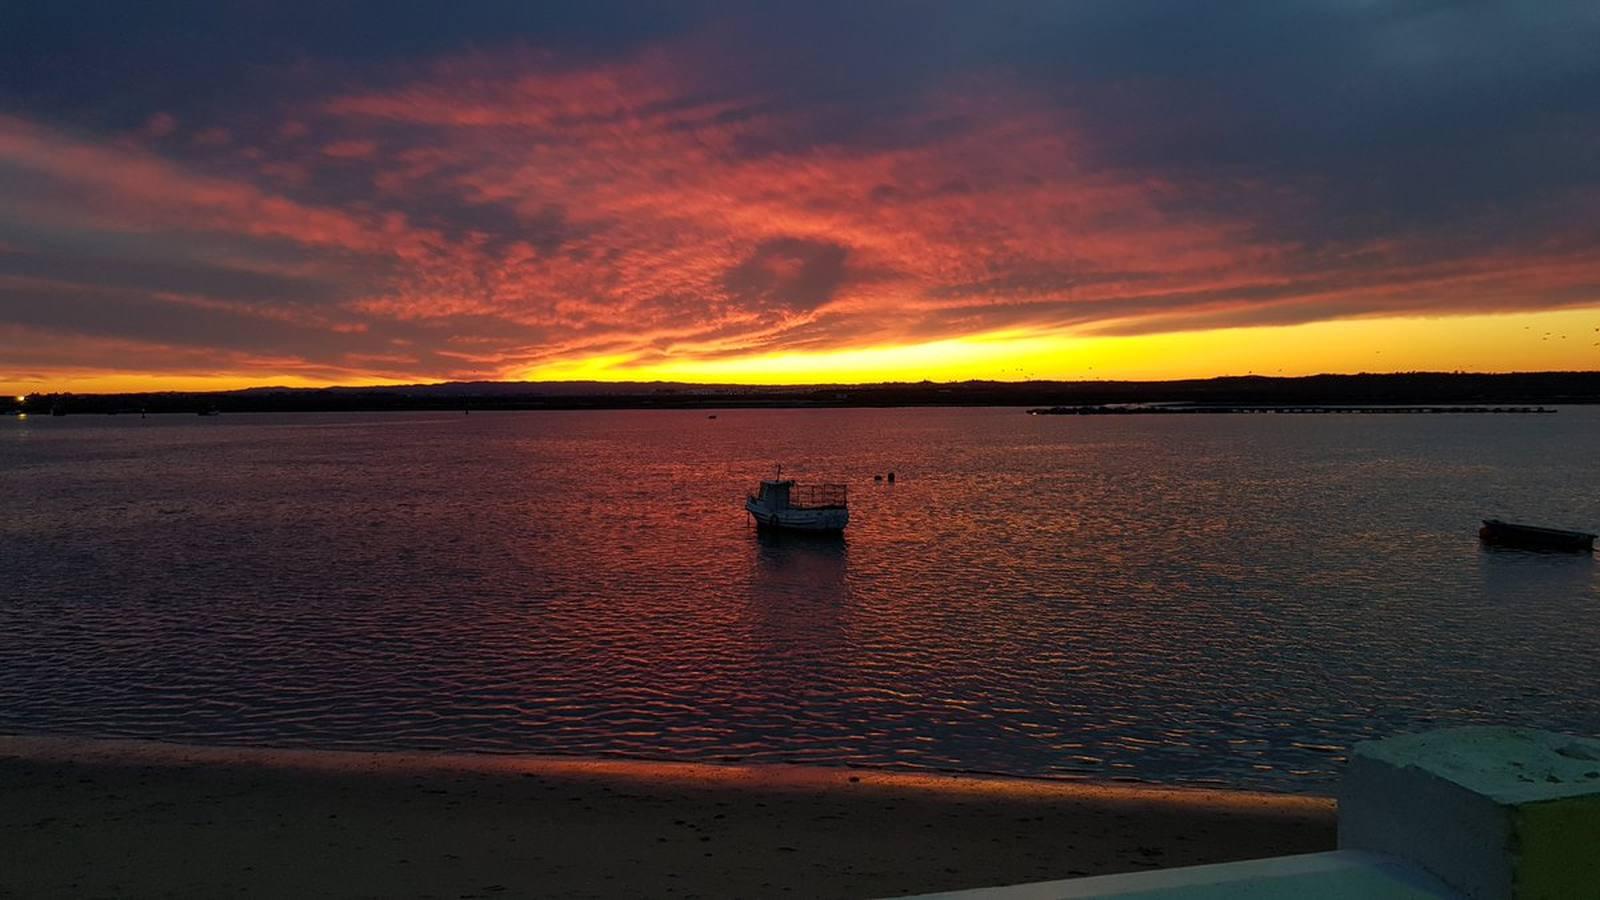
1533, 537
783, 503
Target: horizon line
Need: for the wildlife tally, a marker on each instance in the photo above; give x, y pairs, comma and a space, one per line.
795, 387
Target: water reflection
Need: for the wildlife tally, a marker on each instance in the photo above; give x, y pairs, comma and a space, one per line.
797, 566
1511, 573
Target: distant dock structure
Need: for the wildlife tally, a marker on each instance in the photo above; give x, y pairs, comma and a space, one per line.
1155, 409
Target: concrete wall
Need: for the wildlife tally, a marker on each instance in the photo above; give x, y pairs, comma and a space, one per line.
1480, 813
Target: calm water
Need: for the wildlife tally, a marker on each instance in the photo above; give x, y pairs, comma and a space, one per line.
1193, 600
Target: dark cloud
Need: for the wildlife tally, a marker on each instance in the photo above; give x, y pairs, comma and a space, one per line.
791, 274
164, 275
112, 61
132, 314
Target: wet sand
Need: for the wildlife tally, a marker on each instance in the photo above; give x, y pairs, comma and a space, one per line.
128, 819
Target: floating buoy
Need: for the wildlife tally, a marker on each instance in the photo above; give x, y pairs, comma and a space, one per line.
891, 478
877, 478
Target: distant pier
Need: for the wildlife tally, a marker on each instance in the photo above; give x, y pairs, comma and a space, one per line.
1302, 409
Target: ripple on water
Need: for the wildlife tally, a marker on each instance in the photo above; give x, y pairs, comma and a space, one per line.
1233, 601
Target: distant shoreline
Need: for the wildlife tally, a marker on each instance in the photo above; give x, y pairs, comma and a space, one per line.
1286, 409
84, 817
1422, 389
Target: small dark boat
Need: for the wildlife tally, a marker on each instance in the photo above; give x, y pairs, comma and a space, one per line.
1533, 537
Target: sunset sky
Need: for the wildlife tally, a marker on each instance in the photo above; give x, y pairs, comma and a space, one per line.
213, 194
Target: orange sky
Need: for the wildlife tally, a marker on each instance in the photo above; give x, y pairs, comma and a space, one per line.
688, 206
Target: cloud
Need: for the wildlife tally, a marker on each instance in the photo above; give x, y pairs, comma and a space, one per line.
704, 184
788, 273
350, 149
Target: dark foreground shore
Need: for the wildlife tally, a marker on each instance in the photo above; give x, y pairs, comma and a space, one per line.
124, 819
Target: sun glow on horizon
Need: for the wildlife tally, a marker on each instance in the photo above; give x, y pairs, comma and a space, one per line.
1566, 340
90, 382
1560, 340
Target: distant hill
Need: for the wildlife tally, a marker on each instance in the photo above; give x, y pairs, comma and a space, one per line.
1408, 388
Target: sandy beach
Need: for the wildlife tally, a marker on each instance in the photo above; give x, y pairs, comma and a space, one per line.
125, 819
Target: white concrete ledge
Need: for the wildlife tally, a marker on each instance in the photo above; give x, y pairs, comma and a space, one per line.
1496, 813
1339, 875
1478, 813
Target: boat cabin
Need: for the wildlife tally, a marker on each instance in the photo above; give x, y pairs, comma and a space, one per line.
787, 494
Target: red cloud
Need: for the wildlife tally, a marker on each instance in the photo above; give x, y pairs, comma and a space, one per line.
350, 149
565, 209
117, 189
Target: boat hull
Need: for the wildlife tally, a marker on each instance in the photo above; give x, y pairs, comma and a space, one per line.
792, 519
1509, 534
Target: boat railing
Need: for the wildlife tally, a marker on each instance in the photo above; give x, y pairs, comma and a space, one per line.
818, 496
